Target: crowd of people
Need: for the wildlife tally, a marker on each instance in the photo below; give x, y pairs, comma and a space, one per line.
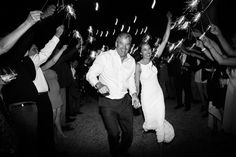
41, 87
34, 89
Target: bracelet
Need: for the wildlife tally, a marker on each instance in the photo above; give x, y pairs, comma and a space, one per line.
203, 49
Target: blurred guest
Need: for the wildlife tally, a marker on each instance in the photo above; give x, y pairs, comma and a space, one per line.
54, 89
74, 91
65, 79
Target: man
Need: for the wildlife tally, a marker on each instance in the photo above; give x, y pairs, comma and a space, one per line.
74, 91
27, 100
183, 75
115, 71
45, 113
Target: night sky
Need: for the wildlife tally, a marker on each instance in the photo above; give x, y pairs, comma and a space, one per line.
15, 12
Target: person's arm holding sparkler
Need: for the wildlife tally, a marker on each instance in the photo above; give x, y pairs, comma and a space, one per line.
55, 58
7, 42
161, 47
221, 59
226, 46
204, 50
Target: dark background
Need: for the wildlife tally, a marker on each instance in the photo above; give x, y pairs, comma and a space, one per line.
220, 12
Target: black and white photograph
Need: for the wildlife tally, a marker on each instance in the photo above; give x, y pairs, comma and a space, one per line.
117, 78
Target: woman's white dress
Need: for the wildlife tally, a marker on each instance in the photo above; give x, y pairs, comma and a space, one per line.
153, 105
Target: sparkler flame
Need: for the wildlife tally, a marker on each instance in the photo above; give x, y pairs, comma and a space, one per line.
70, 11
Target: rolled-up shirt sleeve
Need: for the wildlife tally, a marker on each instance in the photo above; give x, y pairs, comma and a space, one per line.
132, 87
95, 70
44, 53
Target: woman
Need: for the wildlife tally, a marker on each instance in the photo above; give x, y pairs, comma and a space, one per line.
152, 98
54, 92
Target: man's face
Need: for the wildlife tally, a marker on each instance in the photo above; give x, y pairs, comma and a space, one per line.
123, 46
33, 50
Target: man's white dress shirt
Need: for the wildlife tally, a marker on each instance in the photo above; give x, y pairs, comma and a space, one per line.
39, 59
118, 76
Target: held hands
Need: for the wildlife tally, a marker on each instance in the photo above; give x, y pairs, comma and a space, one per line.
59, 31
135, 101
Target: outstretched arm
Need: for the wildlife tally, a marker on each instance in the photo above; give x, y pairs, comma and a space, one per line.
222, 60
54, 59
165, 37
44, 53
7, 42
226, 46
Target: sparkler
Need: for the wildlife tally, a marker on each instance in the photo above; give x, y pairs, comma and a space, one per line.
172, 46
101, 34
185, 25
203, 34
76, 34
132, 48
181, 20
153, 4
145, 30
128, 29
197, 17
157, 42
171, 57
136, 32
91, 39
96, 6
135, 19
114, 31
192, 46
90, 30
179, 43
141, 31
192, 5
70, 11
207, 6
146, 38
122, 28
44, 5
116, 21
97, 32
107, 32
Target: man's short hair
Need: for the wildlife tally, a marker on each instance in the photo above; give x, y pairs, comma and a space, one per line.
124, 35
